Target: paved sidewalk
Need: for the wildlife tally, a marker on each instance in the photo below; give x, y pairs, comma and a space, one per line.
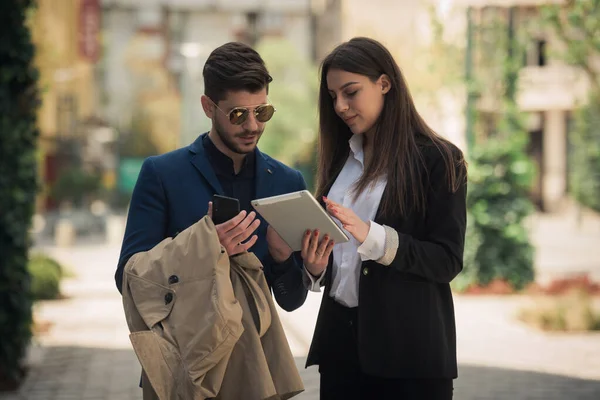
87, 354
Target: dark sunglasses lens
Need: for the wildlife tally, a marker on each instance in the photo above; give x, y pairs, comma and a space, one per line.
264, 113
238, 116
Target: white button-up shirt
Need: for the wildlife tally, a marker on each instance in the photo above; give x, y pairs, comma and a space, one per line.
348, 257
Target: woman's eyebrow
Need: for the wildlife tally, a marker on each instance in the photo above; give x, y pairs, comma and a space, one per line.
345, 85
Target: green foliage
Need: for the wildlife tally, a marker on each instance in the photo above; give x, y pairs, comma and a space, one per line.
500, 171
500, 47
46, 274
307, 165
294, 94
498, 244
577, 24
74, 184
136, 141
585, 160
18, 110
425, 73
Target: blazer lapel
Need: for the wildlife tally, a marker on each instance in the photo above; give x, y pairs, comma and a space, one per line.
200, 160
265, 176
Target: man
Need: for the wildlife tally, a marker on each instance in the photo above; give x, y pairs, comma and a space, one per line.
173, 190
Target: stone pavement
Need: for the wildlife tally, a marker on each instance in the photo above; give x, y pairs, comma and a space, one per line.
87, 355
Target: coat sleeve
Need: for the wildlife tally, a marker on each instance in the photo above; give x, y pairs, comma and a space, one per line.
147, 217
286, 279
438, 256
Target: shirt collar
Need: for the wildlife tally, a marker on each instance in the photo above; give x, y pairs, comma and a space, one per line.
356, 147
222, 162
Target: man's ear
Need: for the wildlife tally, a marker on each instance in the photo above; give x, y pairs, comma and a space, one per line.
385, 83
208, 106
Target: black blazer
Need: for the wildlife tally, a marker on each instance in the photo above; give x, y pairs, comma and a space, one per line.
406, 325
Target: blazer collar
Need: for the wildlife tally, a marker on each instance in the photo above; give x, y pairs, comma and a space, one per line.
201, 162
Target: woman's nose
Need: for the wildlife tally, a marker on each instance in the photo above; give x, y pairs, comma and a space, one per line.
340, 105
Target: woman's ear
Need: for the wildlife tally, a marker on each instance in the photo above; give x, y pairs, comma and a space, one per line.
385, 83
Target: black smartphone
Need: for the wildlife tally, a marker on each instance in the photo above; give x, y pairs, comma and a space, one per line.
224, 208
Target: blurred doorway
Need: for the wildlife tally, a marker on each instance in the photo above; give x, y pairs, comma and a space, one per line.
536, 152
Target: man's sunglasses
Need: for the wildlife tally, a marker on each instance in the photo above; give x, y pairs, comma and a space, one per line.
239, 115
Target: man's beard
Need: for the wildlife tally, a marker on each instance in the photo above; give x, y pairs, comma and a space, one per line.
229, 142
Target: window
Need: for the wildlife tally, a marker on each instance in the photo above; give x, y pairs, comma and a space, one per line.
536, 53
541, 52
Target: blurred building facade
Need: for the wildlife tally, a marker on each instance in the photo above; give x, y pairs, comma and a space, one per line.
117, 73
548, 92
154, 51
66, 36
112, 63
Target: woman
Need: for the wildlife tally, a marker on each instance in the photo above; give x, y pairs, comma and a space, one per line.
386, 325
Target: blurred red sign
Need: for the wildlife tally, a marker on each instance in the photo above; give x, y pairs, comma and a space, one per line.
89, 29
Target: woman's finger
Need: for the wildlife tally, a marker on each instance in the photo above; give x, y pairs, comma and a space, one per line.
305, 244
322, 247
329, 249
342, 217
314, 241
330, 202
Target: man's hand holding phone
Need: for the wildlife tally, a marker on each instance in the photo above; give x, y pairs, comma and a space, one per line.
234, 232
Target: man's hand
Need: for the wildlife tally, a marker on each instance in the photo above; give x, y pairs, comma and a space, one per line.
279, 249
234, 232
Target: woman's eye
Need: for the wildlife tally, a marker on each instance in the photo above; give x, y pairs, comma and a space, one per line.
351, 94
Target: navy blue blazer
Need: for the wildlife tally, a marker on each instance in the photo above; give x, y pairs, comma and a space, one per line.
172, 193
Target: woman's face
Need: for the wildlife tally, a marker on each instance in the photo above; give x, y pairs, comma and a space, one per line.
357, 100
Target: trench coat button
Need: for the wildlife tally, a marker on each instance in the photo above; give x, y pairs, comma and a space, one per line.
173, 279
366, 271
168, 298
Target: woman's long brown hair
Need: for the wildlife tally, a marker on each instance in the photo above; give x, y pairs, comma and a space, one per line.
398, 139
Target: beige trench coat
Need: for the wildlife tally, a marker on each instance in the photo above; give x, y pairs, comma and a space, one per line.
204, 325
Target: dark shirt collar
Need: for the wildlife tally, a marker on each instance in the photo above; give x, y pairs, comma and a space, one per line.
223, 164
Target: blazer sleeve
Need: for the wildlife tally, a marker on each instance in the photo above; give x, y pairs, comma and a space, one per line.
438, 257
146, 219
287, 278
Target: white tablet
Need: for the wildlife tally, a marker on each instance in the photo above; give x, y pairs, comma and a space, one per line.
292, 214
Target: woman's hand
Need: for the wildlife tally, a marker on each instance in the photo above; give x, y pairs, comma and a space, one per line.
316, 254
350, 221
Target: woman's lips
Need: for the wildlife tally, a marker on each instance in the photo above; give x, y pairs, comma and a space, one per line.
349, 120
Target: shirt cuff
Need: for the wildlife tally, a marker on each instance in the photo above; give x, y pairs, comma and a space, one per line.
392, 243
373, 248
310, 282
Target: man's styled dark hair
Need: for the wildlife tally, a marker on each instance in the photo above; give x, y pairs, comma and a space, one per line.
234, 66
